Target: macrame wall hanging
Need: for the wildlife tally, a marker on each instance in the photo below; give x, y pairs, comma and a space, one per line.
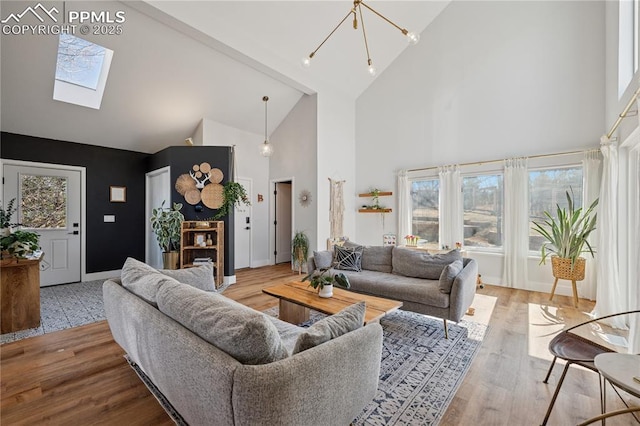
336, 207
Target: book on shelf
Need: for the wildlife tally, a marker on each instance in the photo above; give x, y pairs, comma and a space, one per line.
198, 260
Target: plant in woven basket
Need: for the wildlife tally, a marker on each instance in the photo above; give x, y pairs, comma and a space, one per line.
234, 194
567, 234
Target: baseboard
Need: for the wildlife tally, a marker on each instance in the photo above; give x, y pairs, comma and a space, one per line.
93, 276
229, 279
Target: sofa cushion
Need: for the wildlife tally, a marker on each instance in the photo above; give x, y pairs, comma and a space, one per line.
377, 258
348, 259
288, 332
246, 335
421, 264
349, 319
199, 276
398, 287
143, 280
323, 259
449, 273
350, 244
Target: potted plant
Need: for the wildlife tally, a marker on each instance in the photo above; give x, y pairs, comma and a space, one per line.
166, 223
20, 244
567, 238
5, 218
300, 249
324, 283
233, 194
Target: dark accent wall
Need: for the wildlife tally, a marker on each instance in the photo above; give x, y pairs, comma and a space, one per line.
108, 244
181, 159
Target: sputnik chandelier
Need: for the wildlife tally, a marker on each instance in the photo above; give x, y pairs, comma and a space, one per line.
412, 38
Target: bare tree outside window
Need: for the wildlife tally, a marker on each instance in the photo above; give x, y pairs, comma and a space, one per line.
425, 210
483, 208
79, 61
43, 201
547, 189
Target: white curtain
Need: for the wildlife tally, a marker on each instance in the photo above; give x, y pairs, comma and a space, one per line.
450, 226
590, 191
516, 222
404, 205
634, 278
610, 295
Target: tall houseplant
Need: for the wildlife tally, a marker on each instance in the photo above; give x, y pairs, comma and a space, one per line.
566, 238
166, 223
300, 249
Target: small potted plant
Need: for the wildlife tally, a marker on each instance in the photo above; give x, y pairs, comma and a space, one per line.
324, 283
166, 223
567, 238
300, 250
20, 244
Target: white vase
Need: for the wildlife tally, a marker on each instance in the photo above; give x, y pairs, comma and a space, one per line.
326, 291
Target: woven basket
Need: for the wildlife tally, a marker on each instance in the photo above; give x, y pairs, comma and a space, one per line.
562, 268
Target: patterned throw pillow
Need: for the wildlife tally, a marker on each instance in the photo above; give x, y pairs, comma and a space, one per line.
348, 259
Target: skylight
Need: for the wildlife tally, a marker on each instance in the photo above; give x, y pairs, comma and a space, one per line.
79, 61
81, 71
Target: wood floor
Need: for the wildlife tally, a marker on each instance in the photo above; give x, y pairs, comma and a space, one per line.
79, 377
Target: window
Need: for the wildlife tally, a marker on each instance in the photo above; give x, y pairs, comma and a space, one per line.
628, 16
43, 201
424, 210
483, 201
547, 189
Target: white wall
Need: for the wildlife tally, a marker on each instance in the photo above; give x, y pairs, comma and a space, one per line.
488, 80
249, 164
294, 143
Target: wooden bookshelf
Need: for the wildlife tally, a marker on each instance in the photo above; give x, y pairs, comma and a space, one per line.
193, 232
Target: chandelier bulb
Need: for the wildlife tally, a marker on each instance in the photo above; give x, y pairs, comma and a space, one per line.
372, 70
306, 62
413, 38
267, 149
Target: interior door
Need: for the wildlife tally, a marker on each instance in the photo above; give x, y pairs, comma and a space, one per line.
243, 224
48, 201
283, 222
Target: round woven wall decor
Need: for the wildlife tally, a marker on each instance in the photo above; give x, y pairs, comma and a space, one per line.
192, 196
216, 176
205, 167
185, 183
213, 195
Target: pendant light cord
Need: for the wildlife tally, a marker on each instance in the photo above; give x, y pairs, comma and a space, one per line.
265, 99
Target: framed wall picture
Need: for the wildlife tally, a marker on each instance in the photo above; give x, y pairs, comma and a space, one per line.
199, 240
118, 194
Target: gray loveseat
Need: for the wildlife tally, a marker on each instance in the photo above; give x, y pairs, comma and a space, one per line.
425, 283
326, 384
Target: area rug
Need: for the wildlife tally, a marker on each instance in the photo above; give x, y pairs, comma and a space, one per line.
420, 370
65, 306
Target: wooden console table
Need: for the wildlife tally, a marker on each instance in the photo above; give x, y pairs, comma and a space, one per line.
19, 294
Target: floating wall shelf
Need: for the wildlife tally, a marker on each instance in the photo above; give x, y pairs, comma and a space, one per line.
380, 194
374, 210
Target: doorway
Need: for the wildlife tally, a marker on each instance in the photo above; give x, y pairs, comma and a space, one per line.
283, 223
243, 222
49, 202
157, 190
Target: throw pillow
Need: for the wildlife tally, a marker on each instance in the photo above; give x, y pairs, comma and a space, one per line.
199, 276
421, 264
349, 259
245, 334
349, 319
449, 274
323, 259
377, 258
143, 280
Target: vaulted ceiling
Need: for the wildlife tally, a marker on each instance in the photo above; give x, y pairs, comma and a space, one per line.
178, 62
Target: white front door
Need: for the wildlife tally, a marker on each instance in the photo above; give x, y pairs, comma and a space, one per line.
242, 230
48, 201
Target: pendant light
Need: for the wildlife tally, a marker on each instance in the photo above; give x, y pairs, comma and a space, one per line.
267, 148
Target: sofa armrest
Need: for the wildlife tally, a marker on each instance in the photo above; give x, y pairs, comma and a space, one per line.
328, 384
463, 290
311, 264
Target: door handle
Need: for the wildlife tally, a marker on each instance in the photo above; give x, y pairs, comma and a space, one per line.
73, 233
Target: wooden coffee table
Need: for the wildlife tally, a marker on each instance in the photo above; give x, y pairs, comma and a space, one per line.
296, 298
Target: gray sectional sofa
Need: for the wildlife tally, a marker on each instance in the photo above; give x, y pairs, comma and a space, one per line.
440, 285
220, 362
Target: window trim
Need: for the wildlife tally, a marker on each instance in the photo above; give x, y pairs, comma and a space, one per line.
493, 171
